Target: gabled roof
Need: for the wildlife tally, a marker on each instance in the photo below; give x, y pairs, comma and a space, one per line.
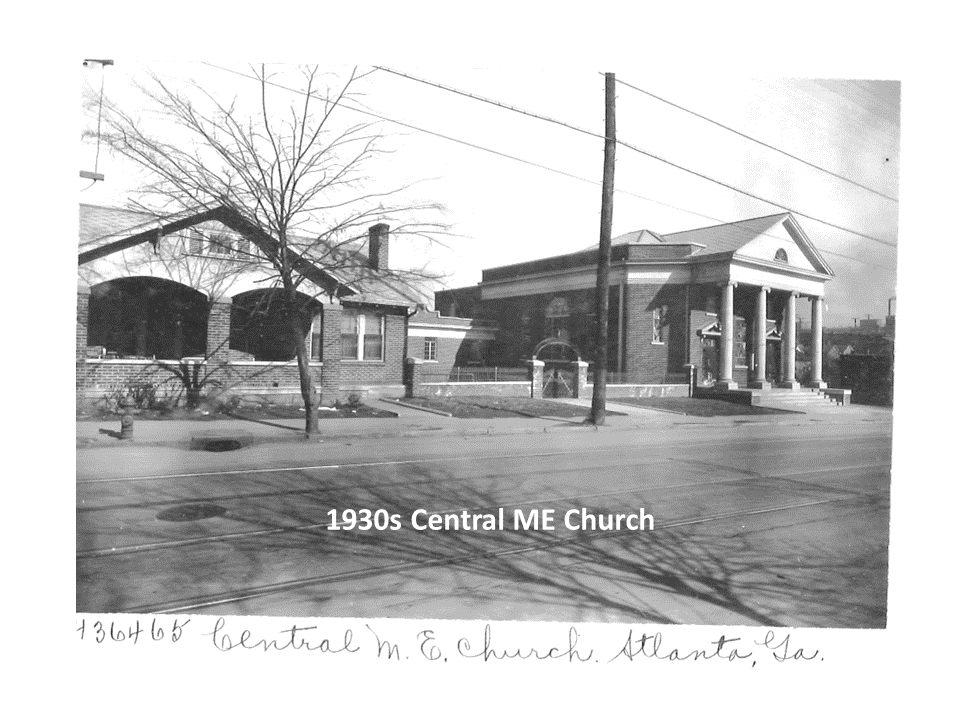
728, 237
105, 231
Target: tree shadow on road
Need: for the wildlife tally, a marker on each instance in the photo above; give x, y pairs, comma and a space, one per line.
711, 573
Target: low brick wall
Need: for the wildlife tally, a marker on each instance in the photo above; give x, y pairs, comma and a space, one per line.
642, 391
465, 389
279, 382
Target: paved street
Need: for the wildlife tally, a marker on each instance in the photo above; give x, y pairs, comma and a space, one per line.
754, 523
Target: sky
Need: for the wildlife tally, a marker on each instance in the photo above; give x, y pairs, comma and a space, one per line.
505, 210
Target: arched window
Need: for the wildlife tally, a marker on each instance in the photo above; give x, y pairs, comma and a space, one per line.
147, 317
557, 314
558, 308
781, 255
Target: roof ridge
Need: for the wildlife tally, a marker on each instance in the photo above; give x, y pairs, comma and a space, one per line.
726, 224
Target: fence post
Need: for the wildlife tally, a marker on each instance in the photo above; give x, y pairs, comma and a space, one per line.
536, 379
580, 379
413, 377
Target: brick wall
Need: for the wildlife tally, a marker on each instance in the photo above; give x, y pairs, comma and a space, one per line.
644, 360
103, 378
83, 313
329, 385
523, 323
467, 301
507, 389
449, 352
643, 391
388, 371
218, 331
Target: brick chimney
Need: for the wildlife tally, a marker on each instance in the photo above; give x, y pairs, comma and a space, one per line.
379, 247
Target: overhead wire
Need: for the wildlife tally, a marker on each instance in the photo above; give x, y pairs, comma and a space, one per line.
639, 150
759, 142
508, 156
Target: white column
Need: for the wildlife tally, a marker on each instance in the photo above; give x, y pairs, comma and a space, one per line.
790, 343
816, 343
726, 339
760, 340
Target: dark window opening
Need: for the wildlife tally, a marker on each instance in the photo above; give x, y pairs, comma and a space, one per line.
260, 327
147, 318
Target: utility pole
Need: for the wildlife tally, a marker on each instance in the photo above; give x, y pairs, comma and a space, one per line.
598, 411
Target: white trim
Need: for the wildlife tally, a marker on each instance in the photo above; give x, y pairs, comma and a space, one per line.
779, 268
502, 382
131, 361
361, 316
659, 277
763, 277
471, 334
277, 363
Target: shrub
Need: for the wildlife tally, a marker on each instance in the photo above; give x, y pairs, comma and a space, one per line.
145, 396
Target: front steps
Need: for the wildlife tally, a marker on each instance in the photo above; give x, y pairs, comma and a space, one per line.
803, 400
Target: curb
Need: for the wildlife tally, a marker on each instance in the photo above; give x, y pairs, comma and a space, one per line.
564, 425
416, 407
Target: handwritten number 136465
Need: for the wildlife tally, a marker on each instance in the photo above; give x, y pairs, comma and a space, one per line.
100, 632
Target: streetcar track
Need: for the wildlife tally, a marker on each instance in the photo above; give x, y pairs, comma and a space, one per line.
342, 488
751, 478
417, 461
216, 599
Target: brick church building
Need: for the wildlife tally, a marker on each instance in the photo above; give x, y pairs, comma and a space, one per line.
722, 299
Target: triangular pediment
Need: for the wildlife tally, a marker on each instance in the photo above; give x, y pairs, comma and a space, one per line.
711, 329
785, 243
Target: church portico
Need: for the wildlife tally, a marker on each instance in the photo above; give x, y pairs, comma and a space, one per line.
717, 306
752, 337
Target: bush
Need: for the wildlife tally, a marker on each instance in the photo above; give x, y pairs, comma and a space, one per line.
145, 396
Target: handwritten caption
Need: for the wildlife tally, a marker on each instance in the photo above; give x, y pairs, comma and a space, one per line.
434, 646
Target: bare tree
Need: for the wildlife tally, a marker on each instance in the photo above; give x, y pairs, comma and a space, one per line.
299, 182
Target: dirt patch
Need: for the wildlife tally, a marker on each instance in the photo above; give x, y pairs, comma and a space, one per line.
494, 407
244, 411
699, 407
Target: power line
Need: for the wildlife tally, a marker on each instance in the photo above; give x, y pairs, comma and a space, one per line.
636, 149
515, 158
759, 142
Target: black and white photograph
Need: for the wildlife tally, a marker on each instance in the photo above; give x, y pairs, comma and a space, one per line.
347, 345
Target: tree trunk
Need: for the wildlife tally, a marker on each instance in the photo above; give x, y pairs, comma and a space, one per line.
303, 360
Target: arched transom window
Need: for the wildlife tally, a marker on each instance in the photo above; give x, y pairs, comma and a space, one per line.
558, 308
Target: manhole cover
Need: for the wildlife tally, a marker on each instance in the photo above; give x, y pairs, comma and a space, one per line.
186, 513
222, 445
219, 444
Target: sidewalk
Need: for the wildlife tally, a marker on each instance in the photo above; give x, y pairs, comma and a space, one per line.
416, 422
